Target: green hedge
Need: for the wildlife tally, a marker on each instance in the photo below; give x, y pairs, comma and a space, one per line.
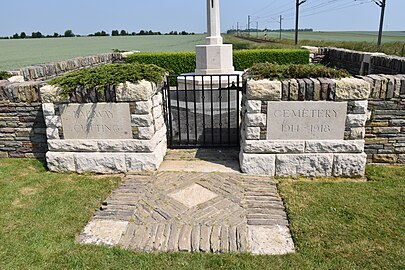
293, 71
184, 62
174, 62
245, 59
4, 75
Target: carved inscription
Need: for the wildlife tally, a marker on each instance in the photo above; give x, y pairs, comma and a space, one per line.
319, 120
96, 121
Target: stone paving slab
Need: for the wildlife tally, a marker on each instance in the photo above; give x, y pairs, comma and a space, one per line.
215, 212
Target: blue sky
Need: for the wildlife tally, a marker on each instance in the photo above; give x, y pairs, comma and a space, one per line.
89, 16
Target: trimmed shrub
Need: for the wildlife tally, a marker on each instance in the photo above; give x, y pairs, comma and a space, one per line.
111, 74
282, 72
4, 75
184, 62
174, 62
245, 59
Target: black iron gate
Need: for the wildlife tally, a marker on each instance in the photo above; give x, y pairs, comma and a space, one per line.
203, 110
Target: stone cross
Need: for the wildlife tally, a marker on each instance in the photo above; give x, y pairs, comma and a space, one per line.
213, 23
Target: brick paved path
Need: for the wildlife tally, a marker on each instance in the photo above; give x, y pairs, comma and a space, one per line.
192, 212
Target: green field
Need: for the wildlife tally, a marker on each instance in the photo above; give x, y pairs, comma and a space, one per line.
360, 36
18, 53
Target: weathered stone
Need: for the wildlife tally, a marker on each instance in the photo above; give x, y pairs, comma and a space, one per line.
142, 91
401, 158
53, 121
385, 158
100, 162
264, 90
142, 120
52, 133
257, 163
356, 120
146, 161
349, 165
73, 145
256, 119
143, 107
60, 162
357, 133
159, 123
294, 89
146, 133
317, 89
252, 133
48, 109
103, 232
306, 120
273, 147
16, 79
52, 94
157, 112
157, 100
358, 106
96, 121
274, 240
317, 165
352, 89
387, 130
341, 146
254, 106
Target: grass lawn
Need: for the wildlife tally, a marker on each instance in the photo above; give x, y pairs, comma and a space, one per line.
335, 224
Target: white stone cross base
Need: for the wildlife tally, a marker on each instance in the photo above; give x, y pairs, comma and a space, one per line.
214, 59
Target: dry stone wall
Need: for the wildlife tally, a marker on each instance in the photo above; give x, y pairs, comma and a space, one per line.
22, 126
361, 63
51, 70
385, 129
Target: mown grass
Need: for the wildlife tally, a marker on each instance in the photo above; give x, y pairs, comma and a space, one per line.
335, 224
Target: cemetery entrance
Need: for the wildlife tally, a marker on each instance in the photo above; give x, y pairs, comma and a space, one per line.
203, 110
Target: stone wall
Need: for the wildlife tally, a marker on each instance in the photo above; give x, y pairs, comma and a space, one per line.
343, 156
361, 63
51, 70
22, 126
385, 129
142, 151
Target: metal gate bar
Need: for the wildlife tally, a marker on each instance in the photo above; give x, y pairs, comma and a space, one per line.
202, 110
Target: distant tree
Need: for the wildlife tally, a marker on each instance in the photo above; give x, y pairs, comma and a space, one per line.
104, 33
55, 34
115, 33
37, 35
123, 33
16, 36
69, 33
133, 34
23, 35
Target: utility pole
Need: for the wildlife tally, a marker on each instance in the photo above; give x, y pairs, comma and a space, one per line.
297, 11
237, 29
381, 4
281, 20
257, 29
249, 25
